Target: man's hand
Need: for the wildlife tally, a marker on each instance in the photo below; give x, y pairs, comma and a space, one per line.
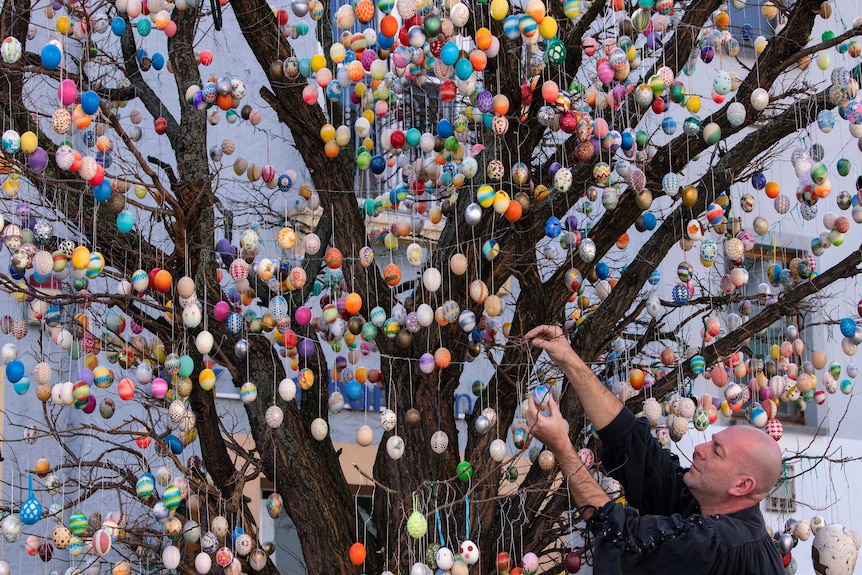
552, 430
553, 341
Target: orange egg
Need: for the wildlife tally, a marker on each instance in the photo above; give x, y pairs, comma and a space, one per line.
722, 20
442, 357
80, 258
479, 60
162, 281
392, 275
357, 553
224, 101
483, 39
361, 374
43, 466
76, 163
331, 149
389, 26
514, 211
623, 241
305, 379
500, 105
353, 303
772, 190
636, 379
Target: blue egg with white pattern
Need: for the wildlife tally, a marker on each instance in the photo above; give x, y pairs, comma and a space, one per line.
234, 323
655, 278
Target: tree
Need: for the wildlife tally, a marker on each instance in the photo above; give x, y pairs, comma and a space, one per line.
549, 152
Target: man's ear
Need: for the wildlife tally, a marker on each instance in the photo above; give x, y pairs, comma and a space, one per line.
743, 486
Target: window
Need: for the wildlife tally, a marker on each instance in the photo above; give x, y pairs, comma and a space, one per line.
782, 499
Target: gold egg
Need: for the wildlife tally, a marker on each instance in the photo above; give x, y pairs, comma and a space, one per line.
412, 417
643, 199
689, 196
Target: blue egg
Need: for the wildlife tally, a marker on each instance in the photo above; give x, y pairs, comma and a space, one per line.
668, 125
103, 191
553, 227
144, 26
649, 220
463, 69
848, 327
158, 61
511, 27
449, 53
90, 102
14, 370
444, 128
628, 141
602, 270
22, 385
118, 26
125, 221
305, 66
354, 390
174, 444
655, 278
51, 56
378, 164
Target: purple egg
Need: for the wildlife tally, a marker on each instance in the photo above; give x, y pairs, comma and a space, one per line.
571, 222
597, 145
226, 251
86, 374
716, 401
38, 160
653, 40
553, 168
233, 295
426, 361
619, 92
91, 405
484, 101
306, 347
339, 303
765, 393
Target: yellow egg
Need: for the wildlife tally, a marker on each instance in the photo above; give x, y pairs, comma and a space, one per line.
29, 142
64, 25
140, 191
318, 61
548, 28
327, 132
499, 9
692, 104
823, 60
80, 257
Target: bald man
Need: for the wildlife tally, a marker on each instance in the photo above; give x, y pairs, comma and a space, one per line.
702, 520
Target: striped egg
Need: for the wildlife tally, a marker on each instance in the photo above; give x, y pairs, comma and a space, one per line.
485, 195
172, 497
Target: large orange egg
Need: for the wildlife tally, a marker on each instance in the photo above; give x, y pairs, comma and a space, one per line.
357, 553
483, 38
162, 281
81, 258
479, 60
772, 190
392, 275
636, 379
353, 303
442, 357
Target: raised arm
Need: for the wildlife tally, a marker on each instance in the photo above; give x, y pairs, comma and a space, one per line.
599, 403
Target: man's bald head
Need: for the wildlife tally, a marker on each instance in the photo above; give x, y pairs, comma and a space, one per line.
735, 470
758, 453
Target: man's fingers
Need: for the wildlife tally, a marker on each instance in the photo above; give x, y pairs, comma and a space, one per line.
552, 405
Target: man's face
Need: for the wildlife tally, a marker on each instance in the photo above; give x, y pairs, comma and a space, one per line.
713, 468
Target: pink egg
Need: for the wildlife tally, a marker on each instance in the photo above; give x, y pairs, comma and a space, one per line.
221, 311
159, 387
67, 92
303, 315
